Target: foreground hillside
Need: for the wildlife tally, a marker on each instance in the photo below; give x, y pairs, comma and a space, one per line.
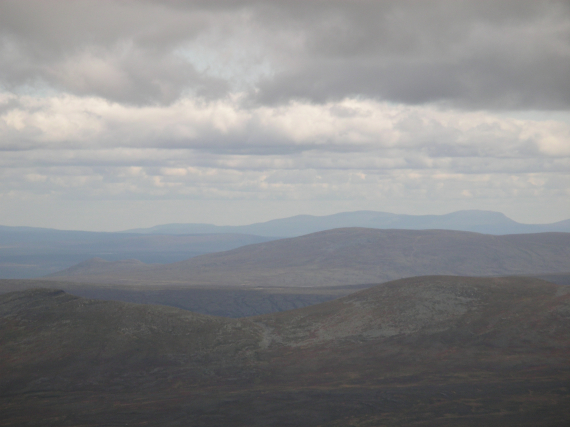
427, 351
348, 256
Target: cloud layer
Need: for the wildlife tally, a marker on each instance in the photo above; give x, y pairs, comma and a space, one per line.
359, 103
473, 54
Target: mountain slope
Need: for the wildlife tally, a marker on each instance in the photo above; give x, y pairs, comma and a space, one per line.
355, 256
427, 351
487, 222
428, 305
90, 341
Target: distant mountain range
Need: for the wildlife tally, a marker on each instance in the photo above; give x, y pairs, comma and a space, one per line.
486, 222
29, 252
346, 256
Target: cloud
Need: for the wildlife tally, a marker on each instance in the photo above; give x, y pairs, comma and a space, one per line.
90, 148
498, 55
374, 104
511, 54
229, 126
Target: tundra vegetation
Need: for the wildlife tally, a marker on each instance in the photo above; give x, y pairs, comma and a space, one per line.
425, 351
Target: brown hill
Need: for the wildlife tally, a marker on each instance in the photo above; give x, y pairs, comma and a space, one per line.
353, 256
427, 351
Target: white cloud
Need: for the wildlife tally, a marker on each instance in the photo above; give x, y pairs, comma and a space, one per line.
228, 126
354, 149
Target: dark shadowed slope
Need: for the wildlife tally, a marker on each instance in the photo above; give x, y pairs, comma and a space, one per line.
234, 301
558, 278
472, 220
355, 256
427, 351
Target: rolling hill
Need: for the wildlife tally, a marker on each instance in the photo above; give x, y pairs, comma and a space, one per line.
426, 351
346, 257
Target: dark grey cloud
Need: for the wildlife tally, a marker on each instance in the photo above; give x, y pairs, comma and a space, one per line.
121, 51
509, 54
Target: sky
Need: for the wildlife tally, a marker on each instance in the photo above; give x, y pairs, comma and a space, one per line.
124, 114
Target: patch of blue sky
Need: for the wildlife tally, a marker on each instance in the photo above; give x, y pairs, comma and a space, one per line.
241, 67
37, 89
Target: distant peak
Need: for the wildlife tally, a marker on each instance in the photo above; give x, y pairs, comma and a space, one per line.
94, 260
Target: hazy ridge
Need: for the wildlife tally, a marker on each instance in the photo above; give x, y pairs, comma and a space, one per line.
27, 252
348, 256
486, 222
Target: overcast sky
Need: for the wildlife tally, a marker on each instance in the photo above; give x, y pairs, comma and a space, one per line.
123, 114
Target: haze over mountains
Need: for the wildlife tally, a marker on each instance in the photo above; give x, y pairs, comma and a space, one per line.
27, 252
486, 222
346, 256
426, 351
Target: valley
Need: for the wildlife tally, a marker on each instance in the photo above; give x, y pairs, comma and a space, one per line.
214, 300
